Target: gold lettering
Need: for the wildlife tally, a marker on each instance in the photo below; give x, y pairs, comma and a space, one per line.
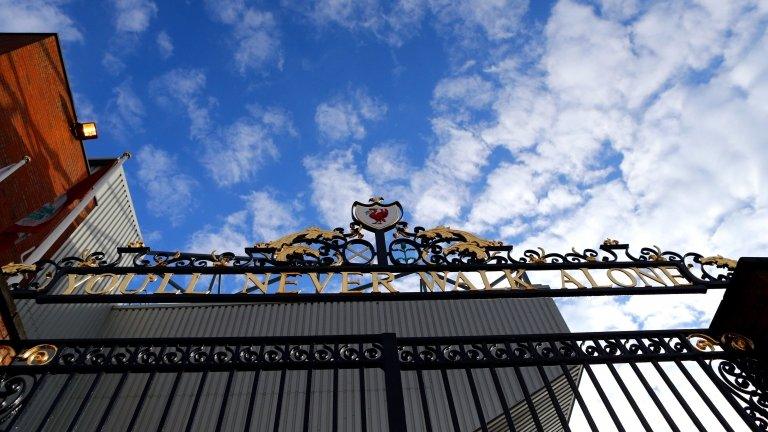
319, 287
262, 285
90, 286
673, 277
192, 283
147, 279
429, 282
516, 280
651, 274
285, 281
123, 288
484, 278
567, 278
632, 280
164, 283
73, 283
386, 281
589, 277
346, 281
463, 282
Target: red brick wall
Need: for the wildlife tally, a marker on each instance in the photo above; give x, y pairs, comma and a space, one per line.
37, 113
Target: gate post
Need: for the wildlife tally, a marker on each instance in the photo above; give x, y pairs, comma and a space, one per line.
10, 319
393, 383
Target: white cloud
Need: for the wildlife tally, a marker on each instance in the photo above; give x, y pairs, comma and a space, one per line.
133, 16
644, 124
84, 108
185, 87
387, 162
164, 44
393, 22
468, 91
344, 116
613, 138
131, 19
441, 186
234, 152
336, 182
497, 20
269, 219
169, 191
38, 16
229, 238
113, 63
237, 151
255, 34
125, 111
396, 22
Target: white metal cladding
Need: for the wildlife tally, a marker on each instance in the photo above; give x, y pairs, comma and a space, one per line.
110, 224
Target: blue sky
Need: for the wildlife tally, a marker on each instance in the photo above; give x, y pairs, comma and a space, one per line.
552, 124
124, 57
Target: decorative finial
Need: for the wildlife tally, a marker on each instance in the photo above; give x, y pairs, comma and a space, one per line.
376, 199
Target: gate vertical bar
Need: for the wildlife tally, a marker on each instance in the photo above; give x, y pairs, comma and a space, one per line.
393, 383
8, 314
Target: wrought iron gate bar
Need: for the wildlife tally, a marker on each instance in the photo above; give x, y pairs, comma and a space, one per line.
739, 379
354, 351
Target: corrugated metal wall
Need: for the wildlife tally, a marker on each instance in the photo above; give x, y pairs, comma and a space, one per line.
110, 224
350, 414
406, 318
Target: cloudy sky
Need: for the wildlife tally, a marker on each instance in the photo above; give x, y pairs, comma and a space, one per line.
549, 123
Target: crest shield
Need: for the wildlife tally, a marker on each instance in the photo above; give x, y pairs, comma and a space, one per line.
376, 215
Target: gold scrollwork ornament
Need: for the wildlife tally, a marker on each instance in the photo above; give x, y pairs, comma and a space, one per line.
38, 355
703, 342
7, 354
737, 342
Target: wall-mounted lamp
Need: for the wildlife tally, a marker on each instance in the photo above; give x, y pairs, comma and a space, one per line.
85, 131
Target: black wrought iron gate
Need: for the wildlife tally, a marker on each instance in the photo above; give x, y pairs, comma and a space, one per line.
680, 380
662, 380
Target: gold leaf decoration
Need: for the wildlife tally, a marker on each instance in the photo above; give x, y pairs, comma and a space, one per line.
39, 355
13, 268
136, 244
479, 252
737, 342
703, 342
219, 261
466, 242
7, 354
284, 252
719, 261
445, 232
311, 233
163, 261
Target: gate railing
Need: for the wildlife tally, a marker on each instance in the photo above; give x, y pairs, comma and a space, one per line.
657, 380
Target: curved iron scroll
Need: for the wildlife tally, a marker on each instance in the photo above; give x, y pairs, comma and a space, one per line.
745, 378
14, 390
